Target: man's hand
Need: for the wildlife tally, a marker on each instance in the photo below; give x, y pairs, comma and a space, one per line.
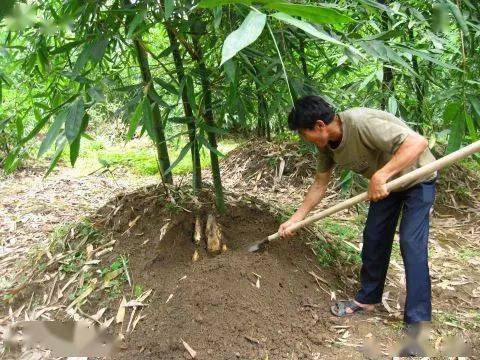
377, 188
282, 230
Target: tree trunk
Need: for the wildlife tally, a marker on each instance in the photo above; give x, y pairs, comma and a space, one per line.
387, 83
263, 126
303, 57
209, 120
177, 59
160, 143
419, 91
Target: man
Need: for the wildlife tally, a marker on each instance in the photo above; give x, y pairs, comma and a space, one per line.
381, 147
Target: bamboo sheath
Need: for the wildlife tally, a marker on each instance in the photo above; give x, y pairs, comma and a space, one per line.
392, 185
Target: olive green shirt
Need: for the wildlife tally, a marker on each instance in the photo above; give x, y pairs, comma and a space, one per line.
370, 138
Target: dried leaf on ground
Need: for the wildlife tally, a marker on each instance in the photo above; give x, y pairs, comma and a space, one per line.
192, 352
121, 311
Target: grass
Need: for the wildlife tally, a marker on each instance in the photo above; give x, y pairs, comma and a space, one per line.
137, 156
466, 254
329, 252
115, 286
396, 254
81, 232
472, 164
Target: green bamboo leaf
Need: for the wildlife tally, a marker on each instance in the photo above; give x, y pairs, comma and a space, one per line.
210, 4
475, 102
36, 114
462, 23
39, 126
180, 119
75, 145
12, 160
309, 29
129, 88
93, 52
392, 105
212, 129
426, 56
167, 86
246, 34
53, 132
137, 20
73, 122
19, 127
217, 17
42, 61
154, 97
205, 143
471, 127
316, 14
96, 94
386, 35
4, 122
6, 7
67, 47
230, 69
56, 156
366, 81
377, 5
191, 94
97, 50
134, 121
169, 6
381, 51
148, 119
180, 157
454, 117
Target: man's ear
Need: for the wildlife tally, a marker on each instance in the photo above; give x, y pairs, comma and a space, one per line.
320, 124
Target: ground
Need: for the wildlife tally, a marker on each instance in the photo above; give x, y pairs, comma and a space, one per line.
126, 235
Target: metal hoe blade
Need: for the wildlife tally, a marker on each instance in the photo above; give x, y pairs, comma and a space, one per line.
259, 246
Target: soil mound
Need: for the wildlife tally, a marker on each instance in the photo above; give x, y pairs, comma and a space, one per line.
268, 163
233, 305
289, 167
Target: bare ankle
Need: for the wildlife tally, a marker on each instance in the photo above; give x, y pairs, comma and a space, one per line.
364, 306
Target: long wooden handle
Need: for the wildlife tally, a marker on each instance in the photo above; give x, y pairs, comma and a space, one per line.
392, 185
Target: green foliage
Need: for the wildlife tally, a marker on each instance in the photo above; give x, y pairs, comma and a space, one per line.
467, 254
143, 161
338, 248
159, 75
68, 236
137, 290
246, 34
115, 286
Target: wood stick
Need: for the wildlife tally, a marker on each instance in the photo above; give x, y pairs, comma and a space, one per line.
392, 185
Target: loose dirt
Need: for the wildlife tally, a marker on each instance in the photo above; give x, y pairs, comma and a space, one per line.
233, 305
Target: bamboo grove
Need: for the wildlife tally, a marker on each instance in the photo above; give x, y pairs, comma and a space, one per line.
211, 68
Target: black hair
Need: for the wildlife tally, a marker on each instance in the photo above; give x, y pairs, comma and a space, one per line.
307, 110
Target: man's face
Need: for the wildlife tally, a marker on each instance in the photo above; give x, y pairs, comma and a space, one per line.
318, 135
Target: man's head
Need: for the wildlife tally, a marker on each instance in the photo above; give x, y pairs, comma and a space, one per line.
310, 117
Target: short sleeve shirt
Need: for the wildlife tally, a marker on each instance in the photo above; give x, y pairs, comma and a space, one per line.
370, 138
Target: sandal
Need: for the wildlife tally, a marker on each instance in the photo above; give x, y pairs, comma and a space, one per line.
340, 308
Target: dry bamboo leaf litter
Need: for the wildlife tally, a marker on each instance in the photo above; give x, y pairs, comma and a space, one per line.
121, 311
192, 353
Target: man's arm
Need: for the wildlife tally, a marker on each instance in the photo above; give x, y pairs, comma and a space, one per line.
315, 193
410, 149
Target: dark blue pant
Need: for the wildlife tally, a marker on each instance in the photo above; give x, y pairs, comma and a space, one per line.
377, 245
